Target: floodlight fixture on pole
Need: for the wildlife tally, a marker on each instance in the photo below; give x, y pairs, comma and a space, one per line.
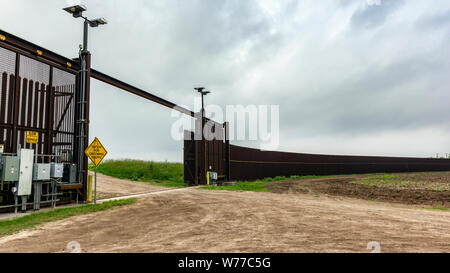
199, 89
203, 93
97, 22
76, 11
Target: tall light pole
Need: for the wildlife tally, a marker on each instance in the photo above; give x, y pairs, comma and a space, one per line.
84, 57
203, 93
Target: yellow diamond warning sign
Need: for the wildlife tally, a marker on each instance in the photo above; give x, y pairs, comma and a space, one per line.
96, 152
32, 137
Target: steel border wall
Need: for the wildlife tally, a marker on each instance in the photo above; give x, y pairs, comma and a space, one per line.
251, 164
37, 96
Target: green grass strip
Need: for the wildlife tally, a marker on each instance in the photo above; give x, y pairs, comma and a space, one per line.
261, 185
439, 208
164, 174
8, 227
257, 186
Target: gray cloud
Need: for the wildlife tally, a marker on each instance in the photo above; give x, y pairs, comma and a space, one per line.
434, 21
375, 15
349, 78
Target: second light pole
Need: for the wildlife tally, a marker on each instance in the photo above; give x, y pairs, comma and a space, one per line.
203, 94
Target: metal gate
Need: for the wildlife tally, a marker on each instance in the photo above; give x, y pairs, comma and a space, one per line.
40, 99
210, 154
38, 94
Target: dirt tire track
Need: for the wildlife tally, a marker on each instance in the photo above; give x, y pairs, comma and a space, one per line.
208, 221
110, 187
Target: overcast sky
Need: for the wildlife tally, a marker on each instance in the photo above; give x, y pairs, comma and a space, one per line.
350, 78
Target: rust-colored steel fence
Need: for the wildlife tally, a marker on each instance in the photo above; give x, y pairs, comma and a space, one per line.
245, 164
250, 164
37, 97
207, 154
190, 158
38, 94
238, 163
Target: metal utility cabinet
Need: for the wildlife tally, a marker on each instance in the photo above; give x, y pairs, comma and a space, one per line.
9, 168
70, 173
26, 172
56, 170
41, 172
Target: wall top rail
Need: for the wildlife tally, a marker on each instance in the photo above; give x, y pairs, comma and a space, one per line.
37, 52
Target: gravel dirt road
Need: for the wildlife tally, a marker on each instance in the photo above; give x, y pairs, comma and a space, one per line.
195, 220
109, 187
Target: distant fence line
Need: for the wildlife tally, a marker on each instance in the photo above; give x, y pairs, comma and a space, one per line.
251, 164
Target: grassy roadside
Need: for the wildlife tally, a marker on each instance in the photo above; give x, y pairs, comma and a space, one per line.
8, 227
439, 208
156, 173
256, 186
261, 185
392, 181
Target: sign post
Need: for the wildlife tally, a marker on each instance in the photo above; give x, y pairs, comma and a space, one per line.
96, 152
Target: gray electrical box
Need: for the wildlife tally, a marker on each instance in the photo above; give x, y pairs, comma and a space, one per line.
70, 173
56, 170
25, 172
10, 168
212, 178
41, 172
